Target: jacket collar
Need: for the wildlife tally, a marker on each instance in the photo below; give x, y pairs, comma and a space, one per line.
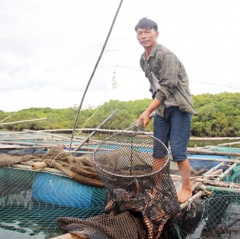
152, 54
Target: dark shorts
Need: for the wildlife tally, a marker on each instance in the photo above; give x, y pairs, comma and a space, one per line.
173, 128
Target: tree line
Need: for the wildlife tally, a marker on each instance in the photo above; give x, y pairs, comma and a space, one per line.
218, 116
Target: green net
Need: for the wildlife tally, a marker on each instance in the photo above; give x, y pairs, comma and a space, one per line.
234, 176
221, 217
220, 213
30, 203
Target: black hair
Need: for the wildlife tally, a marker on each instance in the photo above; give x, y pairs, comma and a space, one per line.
146, 23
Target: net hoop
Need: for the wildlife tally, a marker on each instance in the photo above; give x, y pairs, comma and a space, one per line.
115, 142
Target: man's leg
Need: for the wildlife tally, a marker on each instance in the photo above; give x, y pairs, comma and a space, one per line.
179, 138
186, 192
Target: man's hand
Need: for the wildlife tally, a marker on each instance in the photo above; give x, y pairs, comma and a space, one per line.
149, 112
144, 118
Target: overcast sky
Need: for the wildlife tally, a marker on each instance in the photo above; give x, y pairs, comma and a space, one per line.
48, 49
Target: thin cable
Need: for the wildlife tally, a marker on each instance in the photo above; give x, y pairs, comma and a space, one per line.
88, 120
90, 117
202, 82
104, 46
209, 83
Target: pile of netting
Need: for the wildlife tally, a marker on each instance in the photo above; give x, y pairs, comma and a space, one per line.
80, 169
141, 200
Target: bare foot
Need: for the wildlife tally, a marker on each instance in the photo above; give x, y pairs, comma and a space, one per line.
184, 195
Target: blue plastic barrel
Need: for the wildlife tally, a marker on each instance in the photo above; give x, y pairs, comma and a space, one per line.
62, 191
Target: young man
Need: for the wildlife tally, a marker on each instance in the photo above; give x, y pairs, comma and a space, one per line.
172, 101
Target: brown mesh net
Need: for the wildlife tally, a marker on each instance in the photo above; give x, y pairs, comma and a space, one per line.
135, 183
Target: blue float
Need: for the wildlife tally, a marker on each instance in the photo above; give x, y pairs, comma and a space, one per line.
62, 191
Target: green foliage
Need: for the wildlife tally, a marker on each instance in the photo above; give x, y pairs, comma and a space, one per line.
218, 116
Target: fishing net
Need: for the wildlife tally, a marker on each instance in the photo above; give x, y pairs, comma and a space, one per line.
131, 213
138, 187
135, 181
220, 218
138, 200
234, 176
31, 201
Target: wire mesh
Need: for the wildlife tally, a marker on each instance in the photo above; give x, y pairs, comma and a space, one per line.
31, 202
129, 154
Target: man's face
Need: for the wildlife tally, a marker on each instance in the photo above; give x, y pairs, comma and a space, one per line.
147, 37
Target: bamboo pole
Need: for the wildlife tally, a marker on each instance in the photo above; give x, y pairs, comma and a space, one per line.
222, 184
213, 138
206, 180
212, 152
117, 131
212, 188
224, 174
192, 199
22, 121
49, 134
27, 143
25, 138
197, 178
229, 144
7, 117
216, 184
12, 132
217, 160
214, 169
191, 138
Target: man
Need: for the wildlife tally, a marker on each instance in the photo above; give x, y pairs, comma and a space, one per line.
172, 101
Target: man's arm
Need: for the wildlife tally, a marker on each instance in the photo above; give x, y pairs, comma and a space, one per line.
145, 116
168, 76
